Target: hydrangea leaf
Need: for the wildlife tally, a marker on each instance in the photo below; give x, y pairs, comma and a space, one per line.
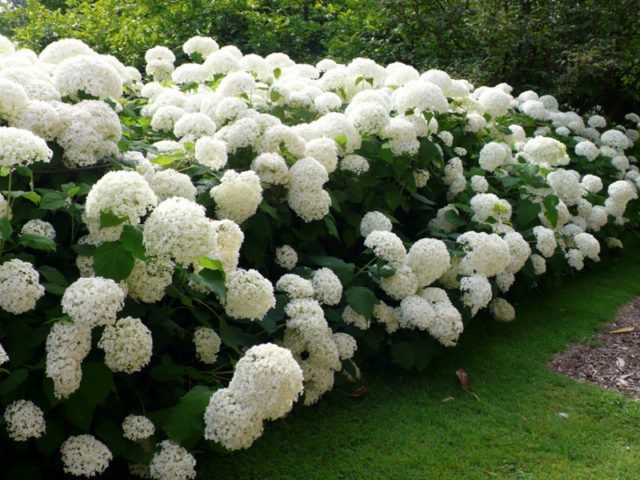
362, 300
131, 240
550, 203
97, 382
110, 219
111, 260
402, 355
186, 421
38, 242
5, 229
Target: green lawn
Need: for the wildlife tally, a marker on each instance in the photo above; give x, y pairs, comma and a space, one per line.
401, 429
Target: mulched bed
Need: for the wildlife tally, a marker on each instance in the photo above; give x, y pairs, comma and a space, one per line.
614, 361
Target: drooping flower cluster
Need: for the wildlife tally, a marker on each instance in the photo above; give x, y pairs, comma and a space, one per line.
266, 382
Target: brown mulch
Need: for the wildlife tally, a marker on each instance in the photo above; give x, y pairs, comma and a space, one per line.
614, 360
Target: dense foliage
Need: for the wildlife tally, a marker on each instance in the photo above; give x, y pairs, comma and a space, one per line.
586, 51
184, 255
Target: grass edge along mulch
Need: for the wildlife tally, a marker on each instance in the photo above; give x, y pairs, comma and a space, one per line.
527, 423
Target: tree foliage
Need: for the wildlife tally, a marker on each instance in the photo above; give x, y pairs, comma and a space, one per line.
585, 52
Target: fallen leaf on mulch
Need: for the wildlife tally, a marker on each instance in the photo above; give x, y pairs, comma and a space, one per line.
622, 330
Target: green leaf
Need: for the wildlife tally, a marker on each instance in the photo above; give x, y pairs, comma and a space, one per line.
111, 260
53, 201
53, 275
20, 472
38, 242
56, 282
213, 280
453, 218
5, 229
362, 300
16, 378
131, 240
33, 197
166, 373
526, 212
227, 336
343, 270
97, 382
429, 150
51, 440
276, 73
509, 181
386, 271
341, 140
110, 219
269, 210
186, 422
78, 411
274, 95
402, 355
393, 199
331, 227
210, 263
550, 204
86, 250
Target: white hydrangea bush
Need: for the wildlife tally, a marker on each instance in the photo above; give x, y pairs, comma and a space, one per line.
218, 239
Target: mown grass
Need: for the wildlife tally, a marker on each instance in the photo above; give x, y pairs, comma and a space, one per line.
401, 429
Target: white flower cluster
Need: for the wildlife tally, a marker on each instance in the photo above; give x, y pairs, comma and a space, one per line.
546, 152
20, 287
19, 147
238, 195
266, 382
127, 345
305, 195
294, 286
67, 345
178, 229
172, 462
207, 343
93, 301
310, 339
24, 420
127, 195
39, 227
327, 287
137, 427
620, 193
149, 279
373, 221
486, 254
447, 326
286, 257
489, 206
502, 310
249, 295
85, 455
476, 292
